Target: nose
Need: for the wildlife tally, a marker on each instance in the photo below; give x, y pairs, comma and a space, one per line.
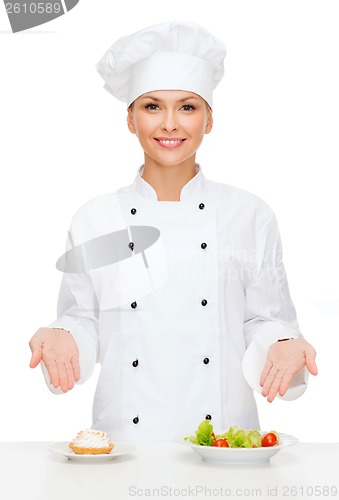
169, 122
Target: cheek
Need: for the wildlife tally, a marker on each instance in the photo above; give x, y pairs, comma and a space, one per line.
199, 130
143, 127
196, 127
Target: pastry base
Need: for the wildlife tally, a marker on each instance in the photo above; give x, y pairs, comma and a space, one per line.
79, 450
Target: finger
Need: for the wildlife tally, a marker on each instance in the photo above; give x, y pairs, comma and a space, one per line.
275, 386
76, 368
63, 378
269, 380
265, 372
310, 362
285, 383
36, 358
70, 375
35, 347
53, 371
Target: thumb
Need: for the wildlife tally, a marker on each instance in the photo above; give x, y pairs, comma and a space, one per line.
36, 354
310, 362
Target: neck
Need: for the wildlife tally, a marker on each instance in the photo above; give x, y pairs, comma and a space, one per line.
168, 181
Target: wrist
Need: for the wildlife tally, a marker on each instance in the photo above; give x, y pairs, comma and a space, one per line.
59, 328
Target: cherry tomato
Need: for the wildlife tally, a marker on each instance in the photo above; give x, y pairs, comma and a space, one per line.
221, 443
269, 439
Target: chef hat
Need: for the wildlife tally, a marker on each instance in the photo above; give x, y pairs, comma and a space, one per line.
176, 55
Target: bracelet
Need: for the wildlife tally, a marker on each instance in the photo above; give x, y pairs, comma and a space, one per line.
59, 328
283, 340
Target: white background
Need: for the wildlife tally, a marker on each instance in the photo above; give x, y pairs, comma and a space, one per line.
64, 140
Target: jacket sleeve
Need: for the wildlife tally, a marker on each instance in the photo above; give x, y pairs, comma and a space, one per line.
270, 314
78, 312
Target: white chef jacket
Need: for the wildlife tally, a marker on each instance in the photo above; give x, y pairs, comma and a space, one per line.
178, 326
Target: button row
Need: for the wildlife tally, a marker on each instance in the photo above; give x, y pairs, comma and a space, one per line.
131, 245
136, 419
135, 363
134, 210
134, 305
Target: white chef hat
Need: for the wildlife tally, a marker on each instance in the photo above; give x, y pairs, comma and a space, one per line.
177, 55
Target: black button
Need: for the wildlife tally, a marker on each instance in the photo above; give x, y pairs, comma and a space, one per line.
204, 302
134, 305
135, 363
206, 361
201, 206
133, 211
208, 417
203, 245
135, 420
131, 245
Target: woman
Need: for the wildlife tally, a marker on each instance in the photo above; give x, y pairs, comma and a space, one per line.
175, 284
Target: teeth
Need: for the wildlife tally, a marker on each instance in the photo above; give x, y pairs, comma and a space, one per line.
170, 141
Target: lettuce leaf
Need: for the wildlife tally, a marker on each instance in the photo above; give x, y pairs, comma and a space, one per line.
203, 435
236, 438
241, 438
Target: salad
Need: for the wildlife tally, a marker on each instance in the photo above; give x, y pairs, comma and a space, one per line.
233, 438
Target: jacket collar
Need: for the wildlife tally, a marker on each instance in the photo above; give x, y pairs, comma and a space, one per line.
193, 189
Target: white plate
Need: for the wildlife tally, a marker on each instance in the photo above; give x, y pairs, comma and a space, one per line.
119, 450
241, 456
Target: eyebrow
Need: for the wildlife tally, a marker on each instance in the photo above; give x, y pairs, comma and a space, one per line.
159, 100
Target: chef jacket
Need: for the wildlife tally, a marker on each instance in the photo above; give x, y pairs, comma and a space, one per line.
181, 326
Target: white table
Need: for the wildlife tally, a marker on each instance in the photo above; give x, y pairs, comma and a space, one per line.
303, 471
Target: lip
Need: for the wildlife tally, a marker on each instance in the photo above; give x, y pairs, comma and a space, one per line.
169, 142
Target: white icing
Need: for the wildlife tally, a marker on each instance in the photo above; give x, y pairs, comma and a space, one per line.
91, 438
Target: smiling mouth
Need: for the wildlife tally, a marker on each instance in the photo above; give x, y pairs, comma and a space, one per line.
169, 142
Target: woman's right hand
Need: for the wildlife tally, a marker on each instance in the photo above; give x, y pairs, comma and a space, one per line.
59, 353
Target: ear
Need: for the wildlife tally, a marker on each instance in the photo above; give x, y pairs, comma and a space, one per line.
130, 121
209, 123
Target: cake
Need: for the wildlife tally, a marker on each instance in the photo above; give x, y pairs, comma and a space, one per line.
91, 442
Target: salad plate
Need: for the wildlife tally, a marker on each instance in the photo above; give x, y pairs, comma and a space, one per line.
119, 450
241, 456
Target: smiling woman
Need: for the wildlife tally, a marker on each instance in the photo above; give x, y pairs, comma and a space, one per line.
170, 126
173, 322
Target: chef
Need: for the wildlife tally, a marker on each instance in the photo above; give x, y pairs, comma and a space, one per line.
174, 284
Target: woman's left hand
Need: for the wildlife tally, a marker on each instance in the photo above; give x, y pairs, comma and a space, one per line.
284, 360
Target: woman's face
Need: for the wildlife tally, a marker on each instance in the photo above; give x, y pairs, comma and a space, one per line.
170, 125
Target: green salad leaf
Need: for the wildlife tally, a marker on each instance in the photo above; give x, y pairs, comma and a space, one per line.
235, 437
203, 435
241, 438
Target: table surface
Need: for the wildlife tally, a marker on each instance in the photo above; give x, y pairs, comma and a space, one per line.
29, 471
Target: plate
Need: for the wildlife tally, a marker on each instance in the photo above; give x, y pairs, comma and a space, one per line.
120, 449
241, 456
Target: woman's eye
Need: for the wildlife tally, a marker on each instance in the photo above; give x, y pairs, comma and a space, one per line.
152, 106
188, 107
